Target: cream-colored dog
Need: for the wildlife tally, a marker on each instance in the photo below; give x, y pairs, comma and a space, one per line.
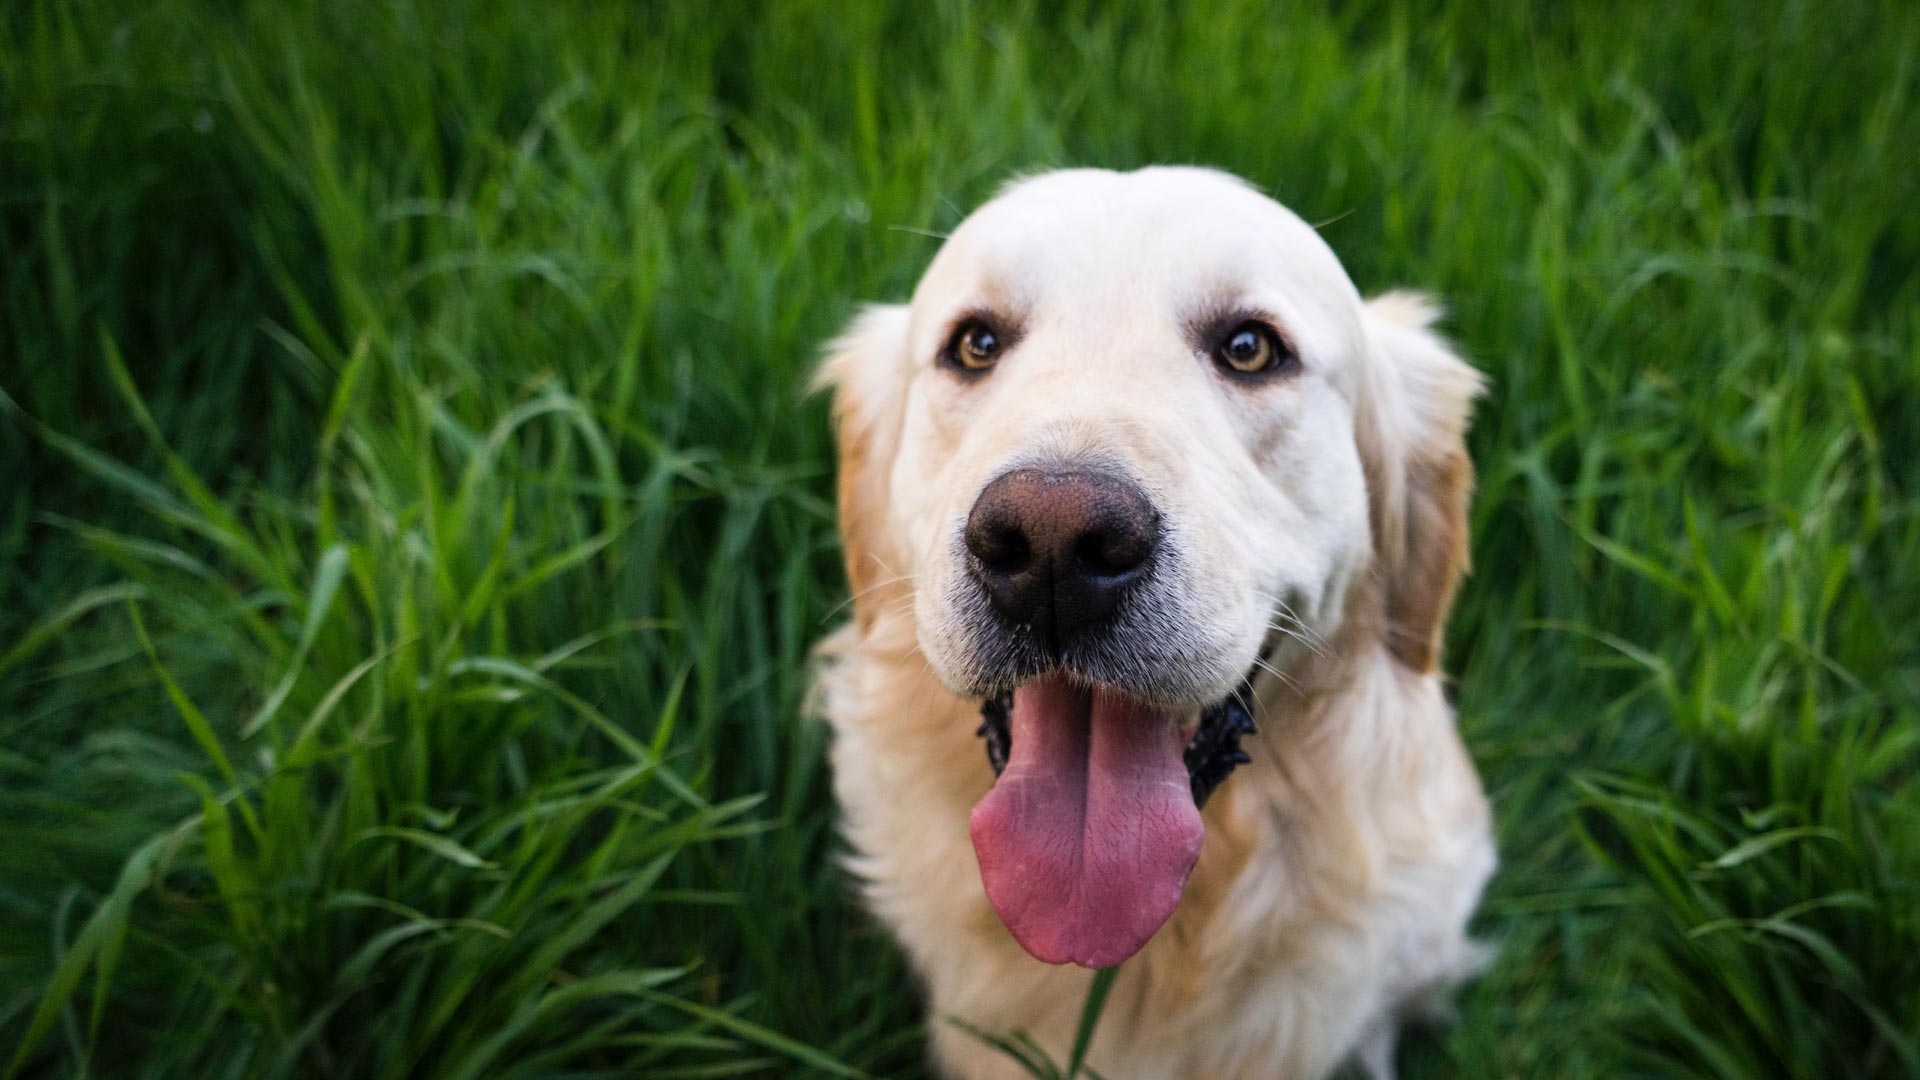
1136, 464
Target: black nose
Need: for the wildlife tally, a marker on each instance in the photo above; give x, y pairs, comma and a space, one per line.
1056, 550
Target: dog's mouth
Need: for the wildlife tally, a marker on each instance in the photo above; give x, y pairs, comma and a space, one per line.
1087, 838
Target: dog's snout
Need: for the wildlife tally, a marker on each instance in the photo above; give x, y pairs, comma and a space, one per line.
1056, 550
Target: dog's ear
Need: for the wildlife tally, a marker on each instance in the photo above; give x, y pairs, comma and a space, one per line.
866, 368
1411, 428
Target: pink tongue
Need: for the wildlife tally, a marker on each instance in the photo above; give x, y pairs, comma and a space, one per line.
1088, 836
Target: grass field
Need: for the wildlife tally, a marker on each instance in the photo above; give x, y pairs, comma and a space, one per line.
413, 524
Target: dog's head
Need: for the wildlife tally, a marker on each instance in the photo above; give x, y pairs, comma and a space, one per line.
1136, 435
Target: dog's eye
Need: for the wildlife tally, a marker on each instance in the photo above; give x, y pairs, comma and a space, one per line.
975, 346
1253, 348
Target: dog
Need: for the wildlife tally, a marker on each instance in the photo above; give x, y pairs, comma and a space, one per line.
1152, 526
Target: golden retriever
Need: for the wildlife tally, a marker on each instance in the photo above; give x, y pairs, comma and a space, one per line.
1136, 473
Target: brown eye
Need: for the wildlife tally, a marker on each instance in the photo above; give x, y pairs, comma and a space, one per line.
975, 346
1252, 348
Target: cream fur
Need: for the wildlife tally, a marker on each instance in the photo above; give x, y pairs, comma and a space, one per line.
1341, 865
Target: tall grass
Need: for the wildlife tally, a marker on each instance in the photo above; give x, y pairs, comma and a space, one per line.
414, 525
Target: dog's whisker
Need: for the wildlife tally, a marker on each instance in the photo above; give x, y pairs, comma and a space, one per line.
1324, 222
884, 565
1280, 606
1285, 680
878, 585
1306, 631
917, 231
1294, 626
1309, 643
855, 597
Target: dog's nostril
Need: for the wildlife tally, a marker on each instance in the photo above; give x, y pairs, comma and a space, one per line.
1110, 552
1003, 550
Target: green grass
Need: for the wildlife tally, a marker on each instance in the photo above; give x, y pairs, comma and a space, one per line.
413, 524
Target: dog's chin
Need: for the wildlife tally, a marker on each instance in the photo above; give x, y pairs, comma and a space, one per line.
1172, 671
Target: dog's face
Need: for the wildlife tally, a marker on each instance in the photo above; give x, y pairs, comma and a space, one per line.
1173, 353
1135, 435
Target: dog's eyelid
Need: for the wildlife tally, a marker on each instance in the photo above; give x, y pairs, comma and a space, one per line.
1003, 333
1210, 332
1213, 321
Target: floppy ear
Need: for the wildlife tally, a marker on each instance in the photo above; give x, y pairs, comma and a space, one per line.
1411, 429
866, 368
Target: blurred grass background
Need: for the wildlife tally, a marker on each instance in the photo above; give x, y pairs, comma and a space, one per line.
413, 525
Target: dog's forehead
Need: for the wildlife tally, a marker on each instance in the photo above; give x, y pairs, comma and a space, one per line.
1177, 230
